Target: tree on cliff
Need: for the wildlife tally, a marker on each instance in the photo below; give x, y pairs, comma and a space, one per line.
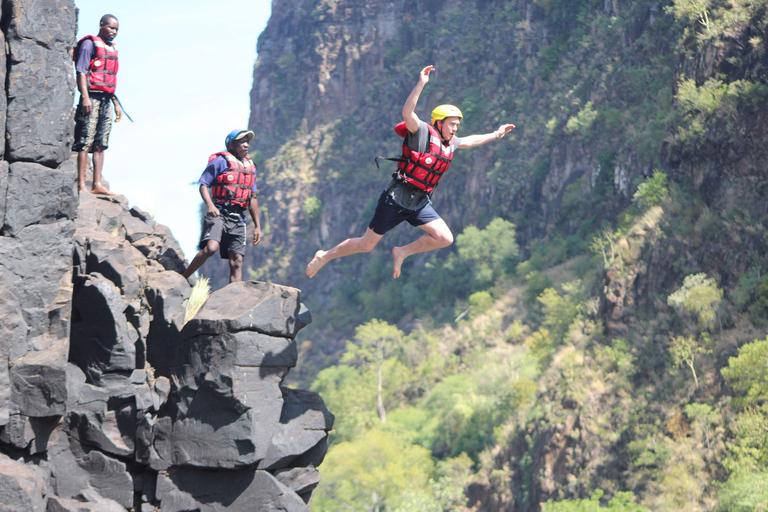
377, 341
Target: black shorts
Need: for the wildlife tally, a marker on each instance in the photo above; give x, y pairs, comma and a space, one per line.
228, 231
389, 214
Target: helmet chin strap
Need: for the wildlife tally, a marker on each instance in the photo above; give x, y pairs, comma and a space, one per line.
440, 131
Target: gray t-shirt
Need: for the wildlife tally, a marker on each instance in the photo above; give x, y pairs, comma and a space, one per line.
406, 195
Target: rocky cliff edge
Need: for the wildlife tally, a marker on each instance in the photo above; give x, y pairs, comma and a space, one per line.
109, 401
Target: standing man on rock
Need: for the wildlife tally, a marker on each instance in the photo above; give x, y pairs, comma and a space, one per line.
427, 153
96, 65
228, 188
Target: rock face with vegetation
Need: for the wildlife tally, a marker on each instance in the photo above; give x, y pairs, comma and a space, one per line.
113, 396
596, 336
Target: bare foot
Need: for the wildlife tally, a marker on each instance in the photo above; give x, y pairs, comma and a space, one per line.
397, 253
316, 263
98, 189
82, 188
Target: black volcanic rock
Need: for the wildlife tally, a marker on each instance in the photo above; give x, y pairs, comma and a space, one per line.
108, 401
40, 81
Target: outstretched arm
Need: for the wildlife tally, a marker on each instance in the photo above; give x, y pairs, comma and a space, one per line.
409, 116
472, 141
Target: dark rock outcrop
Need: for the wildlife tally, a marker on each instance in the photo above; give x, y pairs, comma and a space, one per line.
108, 400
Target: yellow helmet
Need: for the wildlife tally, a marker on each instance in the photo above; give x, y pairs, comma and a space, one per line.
443, 111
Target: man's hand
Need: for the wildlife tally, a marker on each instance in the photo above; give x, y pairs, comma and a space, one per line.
118, 112
424, 74
213, 211
504, 129
86, 106
256, 235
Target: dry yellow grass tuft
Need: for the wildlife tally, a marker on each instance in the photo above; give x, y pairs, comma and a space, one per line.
200, 293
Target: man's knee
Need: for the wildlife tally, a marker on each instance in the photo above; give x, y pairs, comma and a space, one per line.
442, 234
367, 245
235, 260
445, 238
210, 248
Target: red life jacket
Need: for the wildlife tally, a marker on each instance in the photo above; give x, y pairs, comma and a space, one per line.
424, 170
233, 186
102, 70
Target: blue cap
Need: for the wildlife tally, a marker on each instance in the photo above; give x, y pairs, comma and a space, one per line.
238, 134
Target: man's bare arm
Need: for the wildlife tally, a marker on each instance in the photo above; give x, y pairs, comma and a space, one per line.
82, 86
409, 116
206, 195
472, 141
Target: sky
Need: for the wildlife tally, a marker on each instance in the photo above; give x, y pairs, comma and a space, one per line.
186, 69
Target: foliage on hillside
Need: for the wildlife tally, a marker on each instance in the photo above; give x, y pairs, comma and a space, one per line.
529, 401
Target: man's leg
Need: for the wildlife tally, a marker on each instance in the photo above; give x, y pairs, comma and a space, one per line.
98, 165
82, 167
209, 250
365, 243
235, 267
438, 236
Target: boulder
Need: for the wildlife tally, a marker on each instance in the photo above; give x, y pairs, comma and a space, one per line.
33, 262
136, 228
94, 503
116, 260
40, 82
39, 381
109, 477
171, 255
112, 432
39, 195
13, 344
101, 339
302, 433
32, 434
227, 423
167, 295
249, 306
302, 481
21, 487
185, 489
76, 473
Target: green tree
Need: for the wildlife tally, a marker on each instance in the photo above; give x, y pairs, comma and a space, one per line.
373, 472
348, 394
489, 251
745, 493
701, 296
748, 444
653, 191
621, 502
376, 341
684, 350
747, 374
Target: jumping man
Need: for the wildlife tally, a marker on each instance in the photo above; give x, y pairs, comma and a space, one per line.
427, 154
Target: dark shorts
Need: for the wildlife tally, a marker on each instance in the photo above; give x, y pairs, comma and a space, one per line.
228, 231
389, 214
92, 131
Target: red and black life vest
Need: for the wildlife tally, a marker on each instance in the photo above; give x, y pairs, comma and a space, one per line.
102, 70
424, 170
233, 186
